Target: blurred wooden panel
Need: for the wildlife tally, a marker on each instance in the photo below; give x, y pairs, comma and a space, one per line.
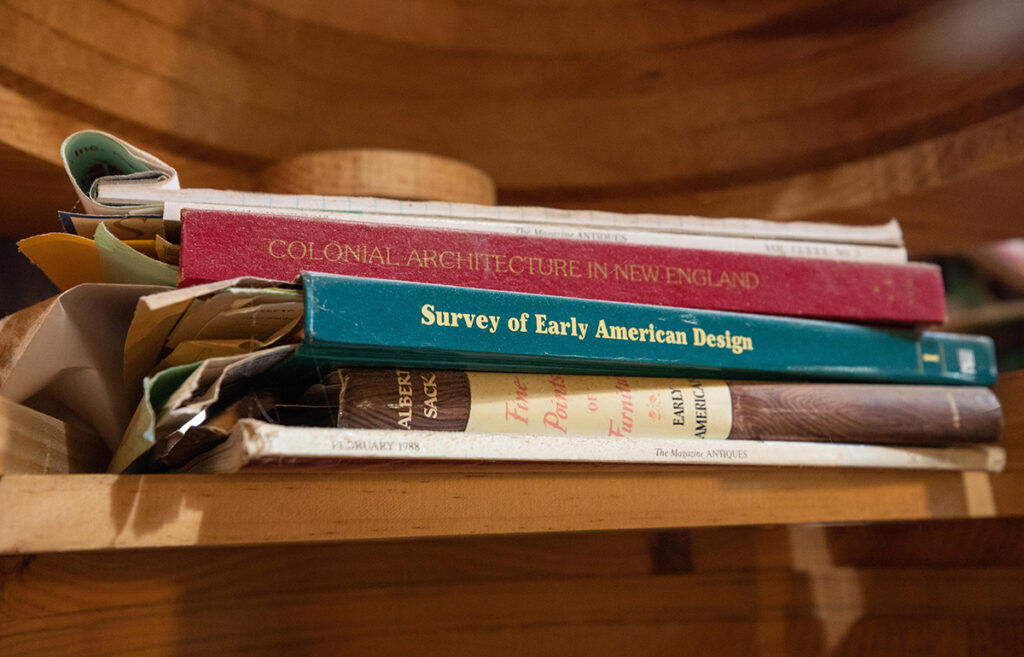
948, 192
814, 86
1007, 488
27, 181
846, 111
96, 580
977, 543
989, 542
382, 173
591, 594
740, 548
542, 28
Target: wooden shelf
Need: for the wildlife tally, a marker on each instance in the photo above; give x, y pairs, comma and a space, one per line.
44, 513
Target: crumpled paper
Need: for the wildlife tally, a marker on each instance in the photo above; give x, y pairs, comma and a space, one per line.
64, 357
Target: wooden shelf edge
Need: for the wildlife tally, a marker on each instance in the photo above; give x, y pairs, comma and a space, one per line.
47, 513
44, 513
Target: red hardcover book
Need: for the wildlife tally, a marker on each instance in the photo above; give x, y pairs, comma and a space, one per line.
216, 245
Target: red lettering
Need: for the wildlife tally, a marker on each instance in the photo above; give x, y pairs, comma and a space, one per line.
553, 420
521, 403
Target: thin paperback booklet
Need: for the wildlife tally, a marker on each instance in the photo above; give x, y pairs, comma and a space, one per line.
253, 444
361, 321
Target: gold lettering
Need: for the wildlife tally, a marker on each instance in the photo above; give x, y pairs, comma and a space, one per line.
270, 248
336, 246
404, 406
737, 344
469, 261
427, 310
441, 259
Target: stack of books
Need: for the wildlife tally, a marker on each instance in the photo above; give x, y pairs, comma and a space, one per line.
319, 330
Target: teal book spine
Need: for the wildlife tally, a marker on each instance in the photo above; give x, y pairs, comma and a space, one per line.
360, 321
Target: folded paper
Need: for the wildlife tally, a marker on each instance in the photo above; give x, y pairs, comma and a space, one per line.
91, 156
63, 357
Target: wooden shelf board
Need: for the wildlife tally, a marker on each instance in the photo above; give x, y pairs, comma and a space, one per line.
45, 513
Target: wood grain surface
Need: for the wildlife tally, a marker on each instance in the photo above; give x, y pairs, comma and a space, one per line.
846, 111
87, 512
736, 591
404, 175
34, 443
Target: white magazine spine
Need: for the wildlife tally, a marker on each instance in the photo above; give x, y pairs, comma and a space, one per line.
887, 234
262, 442
769, 247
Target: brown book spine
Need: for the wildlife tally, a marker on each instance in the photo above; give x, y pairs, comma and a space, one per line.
897, 414
552, 404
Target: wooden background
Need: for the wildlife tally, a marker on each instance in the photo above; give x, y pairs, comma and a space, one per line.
845, 110
851, 111
936, 590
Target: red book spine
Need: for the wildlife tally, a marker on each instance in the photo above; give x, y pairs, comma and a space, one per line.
216, 245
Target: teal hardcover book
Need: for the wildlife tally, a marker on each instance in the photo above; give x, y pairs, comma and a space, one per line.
362, 321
